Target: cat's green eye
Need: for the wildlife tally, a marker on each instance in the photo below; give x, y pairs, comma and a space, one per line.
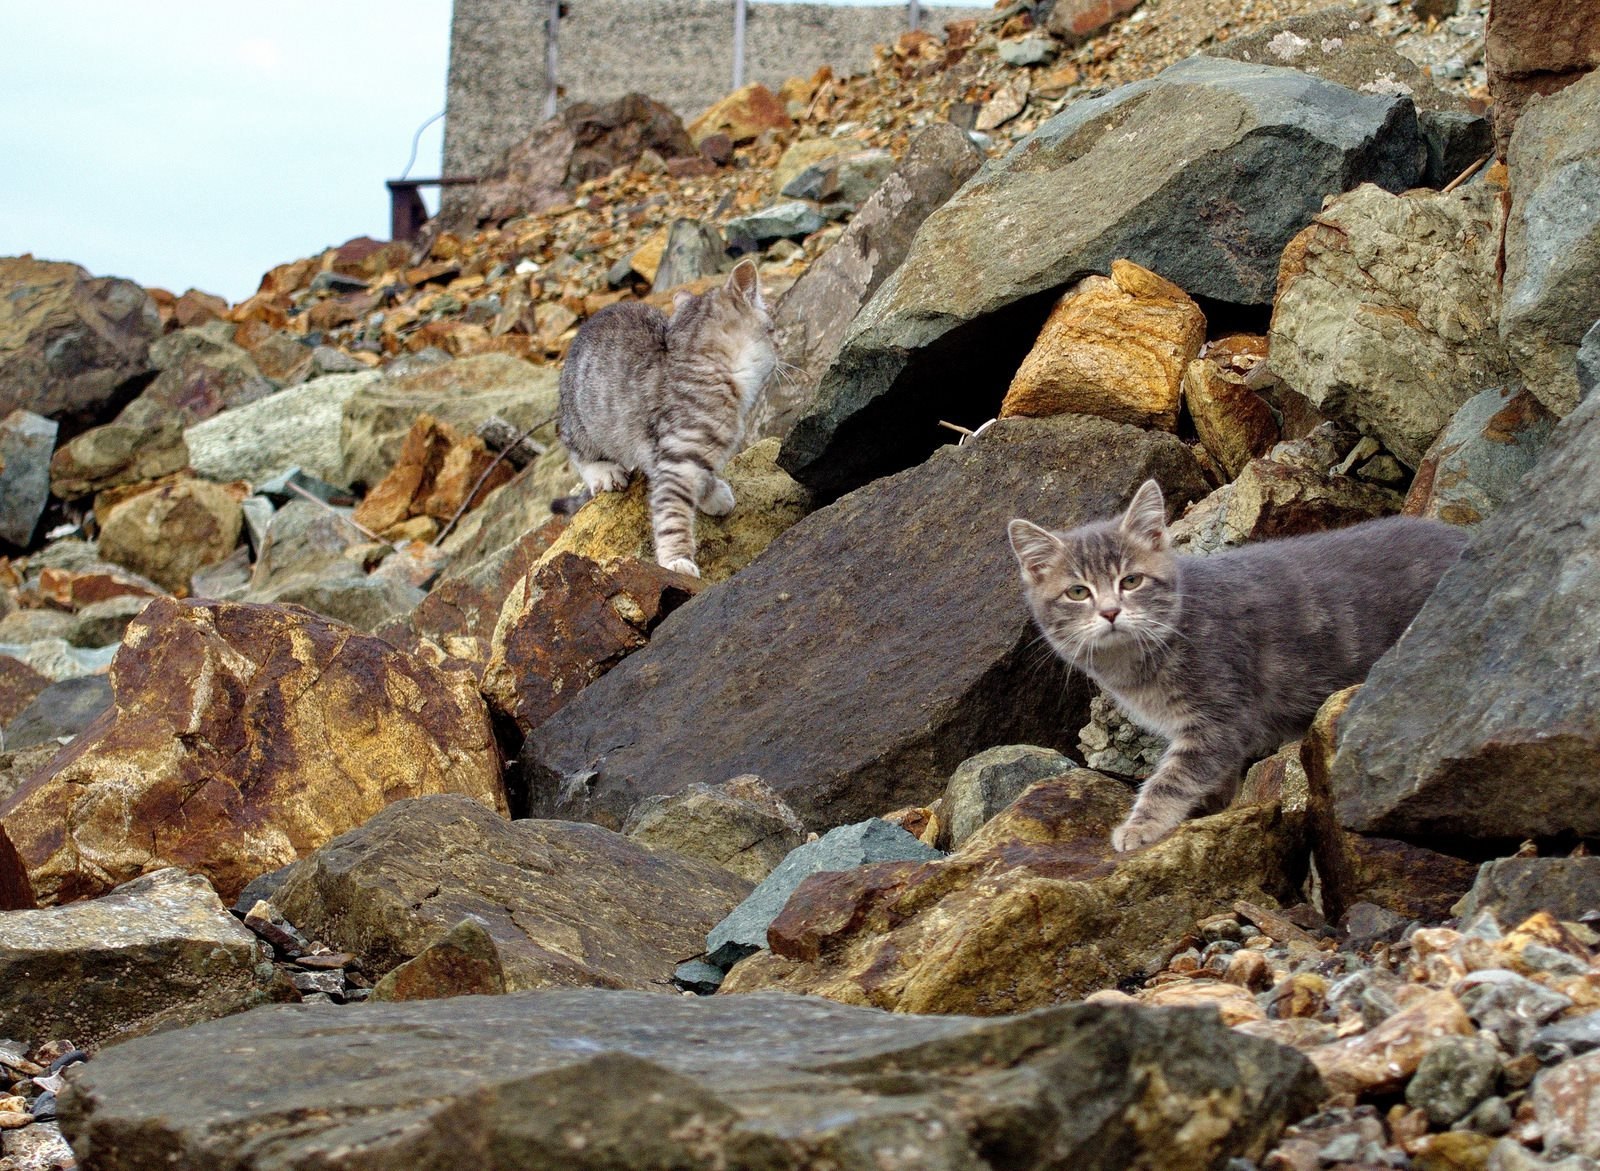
1132, 582
1078, 592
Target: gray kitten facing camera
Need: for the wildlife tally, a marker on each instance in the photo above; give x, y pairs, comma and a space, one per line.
1227, 656
669, 397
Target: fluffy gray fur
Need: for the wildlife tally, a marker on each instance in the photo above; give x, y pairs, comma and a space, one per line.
641, 392
1227, 656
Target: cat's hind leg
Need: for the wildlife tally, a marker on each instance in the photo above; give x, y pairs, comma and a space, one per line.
600, 475
1189, 775
716, 498
674, 489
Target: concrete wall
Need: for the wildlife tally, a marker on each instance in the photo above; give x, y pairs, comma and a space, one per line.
677, 51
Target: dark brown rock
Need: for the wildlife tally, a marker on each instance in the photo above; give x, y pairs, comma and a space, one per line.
19, 683
567, 623
1078, 20
566, 904
16, 892
241, 737
465, 962
1534, 47
70, 341
814, 666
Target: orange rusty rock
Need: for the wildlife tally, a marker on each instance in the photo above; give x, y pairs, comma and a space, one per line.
437, 468
742, 115
73, 591
1382, 1059
241, 737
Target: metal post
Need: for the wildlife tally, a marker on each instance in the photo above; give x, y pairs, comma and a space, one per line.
913, 15
738, 43
552, 35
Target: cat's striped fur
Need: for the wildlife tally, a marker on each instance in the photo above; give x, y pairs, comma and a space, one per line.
1227, 656
641, 392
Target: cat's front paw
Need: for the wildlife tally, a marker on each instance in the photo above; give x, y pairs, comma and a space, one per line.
1139, 832
605, 477
681, 565
719, 501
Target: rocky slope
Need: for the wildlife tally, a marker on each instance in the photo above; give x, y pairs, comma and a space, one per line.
810, 856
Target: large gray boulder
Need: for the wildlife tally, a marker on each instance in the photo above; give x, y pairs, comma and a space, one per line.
567, 905
814, 316
1552, 279
27, 441
1202, 175
614, 1081
872, 648
1483, 721
294, 428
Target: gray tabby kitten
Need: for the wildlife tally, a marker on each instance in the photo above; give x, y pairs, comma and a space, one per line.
668, 397
1227, 656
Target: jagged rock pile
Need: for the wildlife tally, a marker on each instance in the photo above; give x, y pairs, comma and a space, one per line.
312, 706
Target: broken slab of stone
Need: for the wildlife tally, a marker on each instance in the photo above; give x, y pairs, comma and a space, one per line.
1478, 461
1387, 312
143, 443
1273, 498
27, 441
1552, 239
745, 929
1535, 47
439, 473
1459, 731
242, 737
294, 428
780, 1082
567, 904
1115, 347
1202, 174
1515, 888
693, 250
1235, 424
71, 342
1032, 910
843, 609
171, 530
987, 783
740, 825
463, 962
566, 623
158, 952
59, 712
811, 319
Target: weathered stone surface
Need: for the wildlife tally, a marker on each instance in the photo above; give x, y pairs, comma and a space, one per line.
1336, 44
813, 663
437, 471
792, 220
172, 530
463, 393
19, 683
987, 783
16, 893
68, 341
843, 181
1078, 20
568, 622
1217, 165
1458, 730
567, 904
812, 318
102, 623
617, 524
1534, 47
202, 374
781, 1083
1453, 1077
1478, 461
463, 962
1234, 422
742, 115
693, 250
740, 825
155, 953
1033, 910
364, 602
1566, 1101
295, 428
1382, 1058
59, 712
242, 737
1387, 308
27, 441
1589, 361
1271, 498
1115, 347
1552, 238
1112, 743
144, 443
1515, 888
846, 848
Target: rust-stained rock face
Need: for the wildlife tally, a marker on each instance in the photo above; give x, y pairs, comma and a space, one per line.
1115, 347
438, 469
1534, 47
742, 115
1033, 910
241, 737
1235, 423
569, 622
19, 683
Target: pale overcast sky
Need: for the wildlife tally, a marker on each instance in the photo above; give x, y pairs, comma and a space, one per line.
197, 143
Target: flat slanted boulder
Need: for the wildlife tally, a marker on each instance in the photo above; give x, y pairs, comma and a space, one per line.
872, 648
1201, 175
590, 1080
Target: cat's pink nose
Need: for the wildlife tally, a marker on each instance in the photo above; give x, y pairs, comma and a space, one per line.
1110, 614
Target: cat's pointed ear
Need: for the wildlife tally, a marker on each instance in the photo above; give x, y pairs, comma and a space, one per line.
681, 298
743, 280
1035, 547
1146, 518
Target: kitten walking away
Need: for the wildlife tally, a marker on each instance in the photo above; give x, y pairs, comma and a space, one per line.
668, 397
1227, 656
